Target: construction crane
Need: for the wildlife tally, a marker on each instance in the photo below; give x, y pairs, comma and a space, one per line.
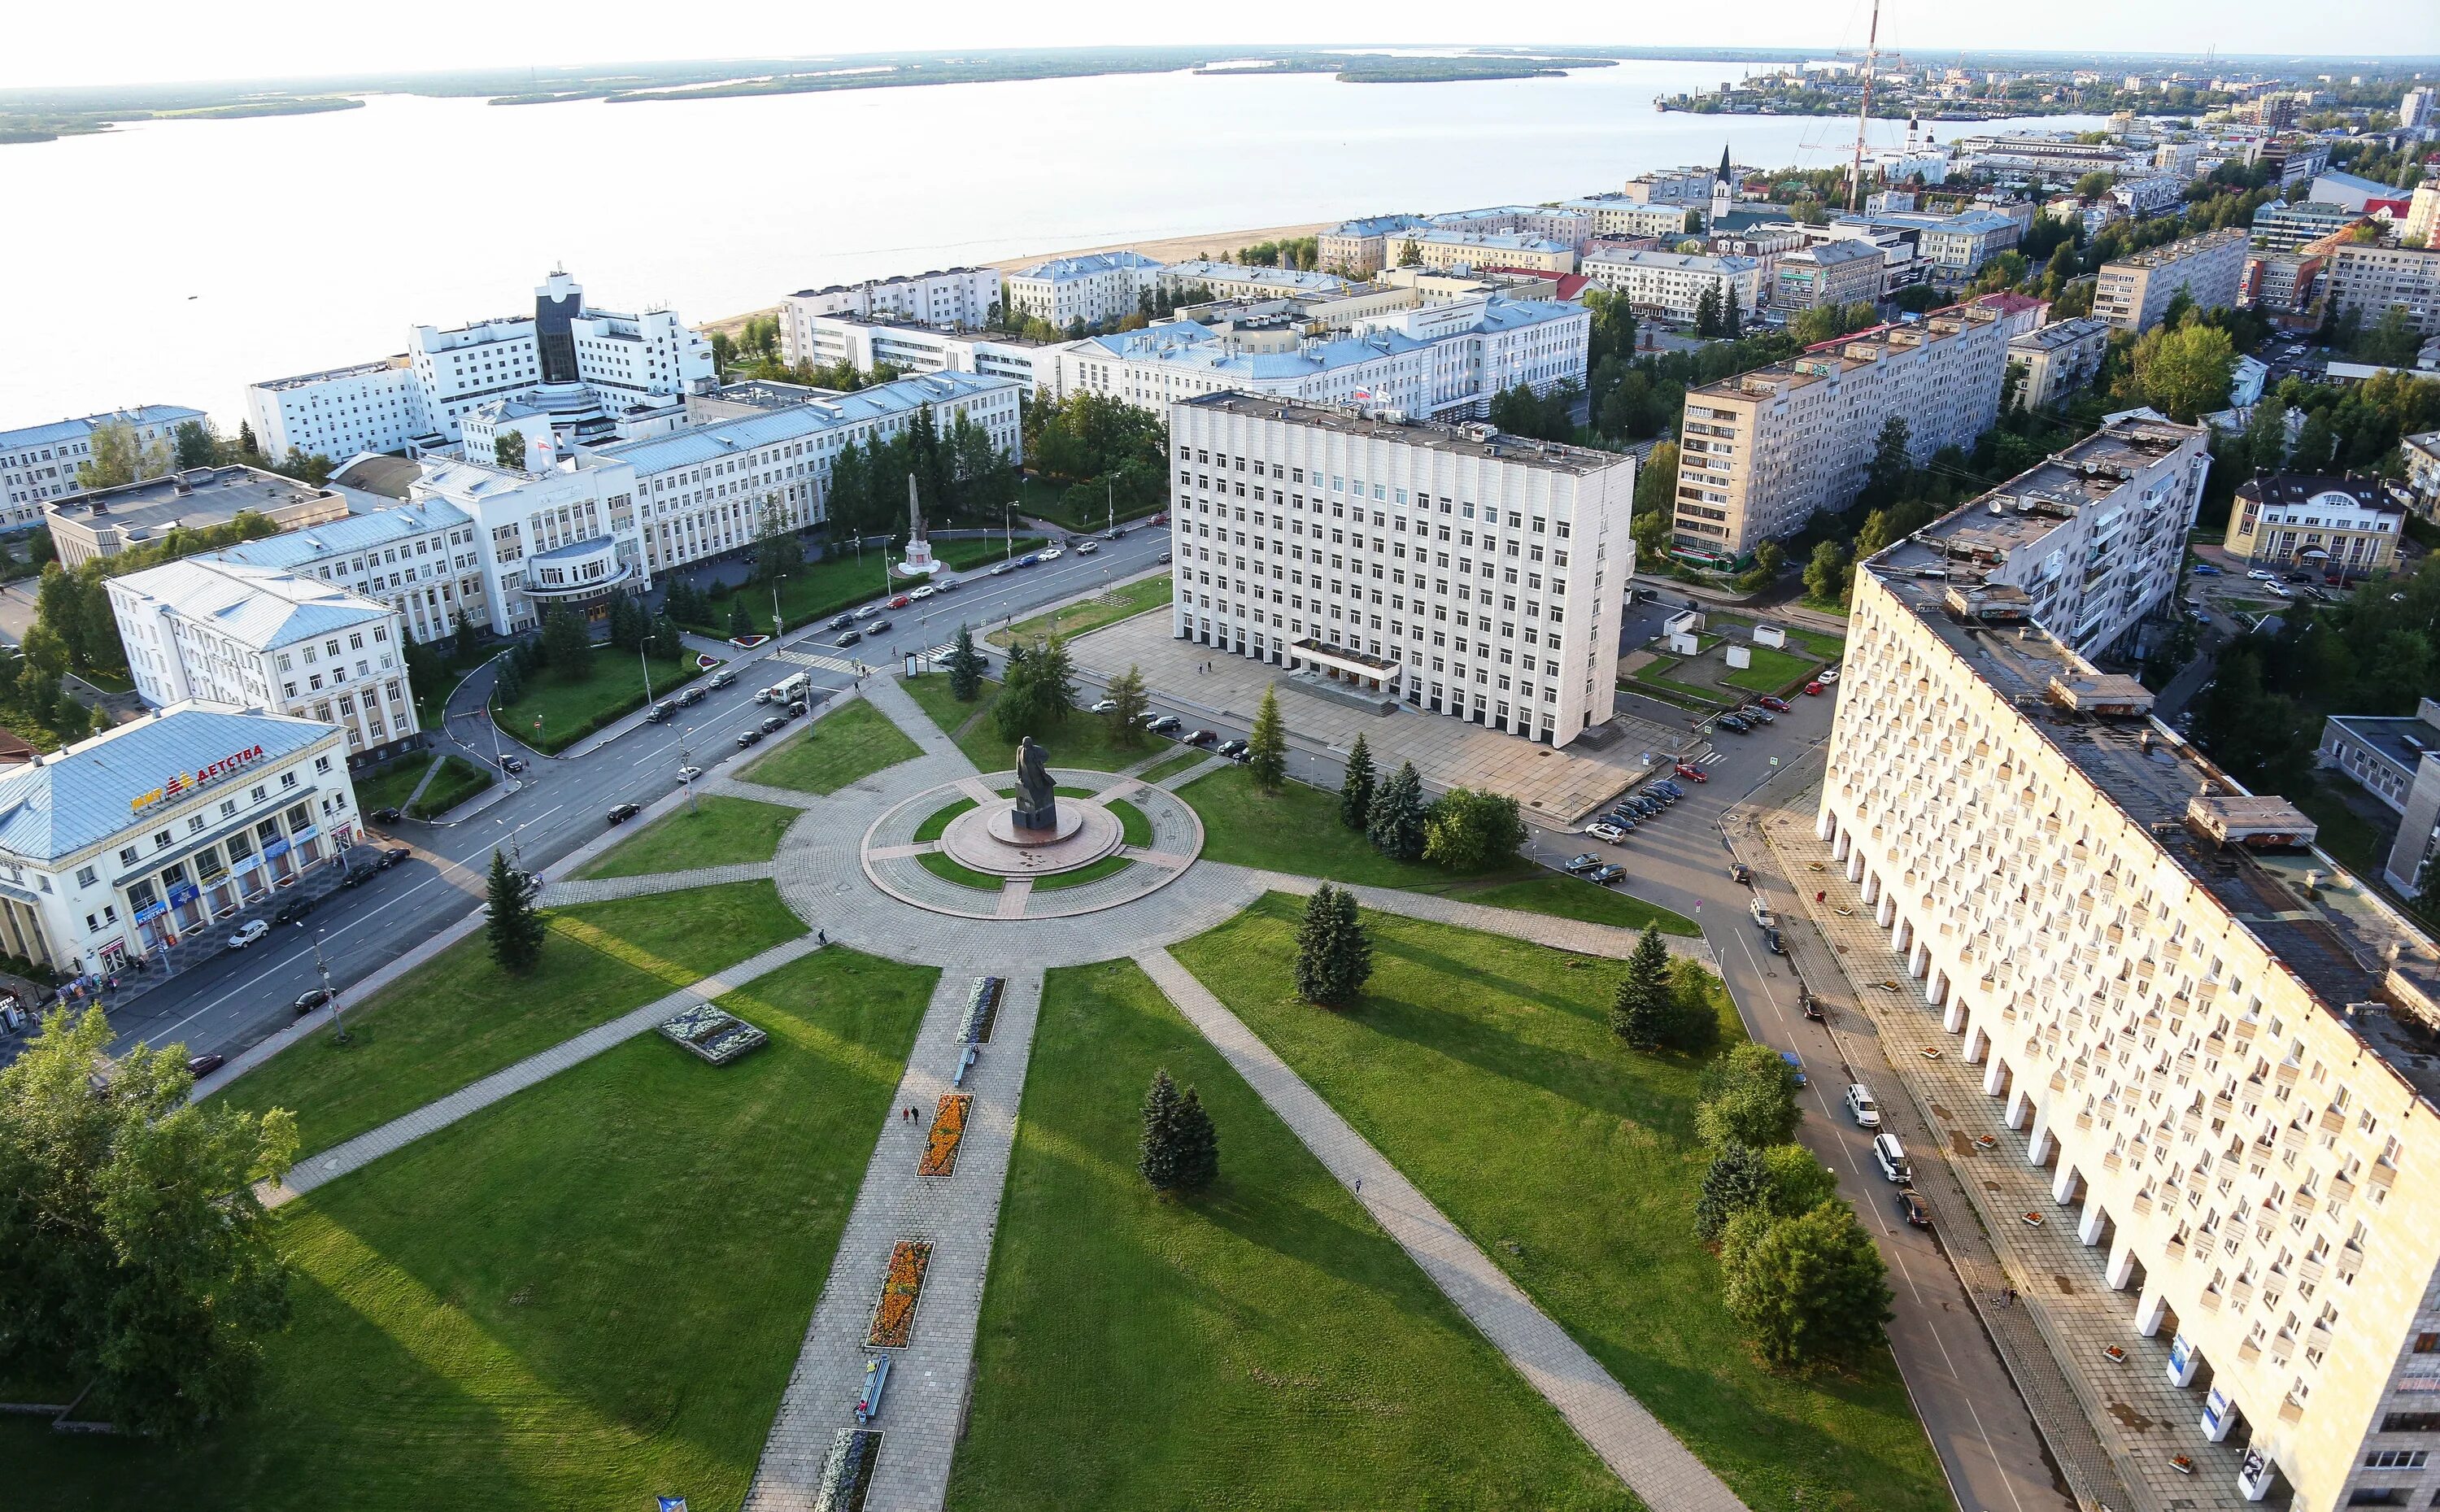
1864, 110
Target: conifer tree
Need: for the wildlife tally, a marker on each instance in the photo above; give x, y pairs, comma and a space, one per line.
1738, 1179
1157, 1156
515, 928
965, 668
1395, 824
1639, 1014
1266, 752
1355, 788
1334, 952
1197, 1146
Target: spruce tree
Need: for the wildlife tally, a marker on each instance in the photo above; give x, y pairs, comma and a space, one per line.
1198, 1145
515, 928
965, 668
1738, 1179
1639, 1014
1334, 953
1266, 753
1395, 824
1355, 788
1157, 1155
740, 618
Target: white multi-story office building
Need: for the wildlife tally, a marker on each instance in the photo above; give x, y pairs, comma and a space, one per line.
2213, 1037
1096, 287
226, 632
151, 841
954, 297
39, 463
1759, 453
591, 364
1458, 571
2134, 291
868, 345
1438, 360
1672, 284
421, 559
2368, 279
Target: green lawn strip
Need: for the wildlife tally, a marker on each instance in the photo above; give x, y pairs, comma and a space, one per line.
1123, 602
1081, 740
592, 1292
933, 828
717, 830
1090, 872
1569, 897
1772, 671
821, 589
1263, 1344
389, 786
1702, 700
1171, 765
571, 709
1135, 829
459, 1017
1298, 831
834, 751
457, 780
965, 876
1819, 643
1079, 507
1484, 1068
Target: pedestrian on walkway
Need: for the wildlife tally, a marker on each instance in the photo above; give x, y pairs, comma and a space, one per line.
1359, 1186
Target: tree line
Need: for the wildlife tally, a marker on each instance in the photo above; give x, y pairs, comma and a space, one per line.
960, 475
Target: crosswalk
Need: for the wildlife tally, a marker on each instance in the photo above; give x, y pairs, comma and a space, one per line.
1706, 761
809, 658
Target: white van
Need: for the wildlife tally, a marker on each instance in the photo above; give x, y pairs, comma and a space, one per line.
790, 690
1890, 1156
1860, 1106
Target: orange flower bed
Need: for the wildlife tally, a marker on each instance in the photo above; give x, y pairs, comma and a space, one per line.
895, 1318
949, 1127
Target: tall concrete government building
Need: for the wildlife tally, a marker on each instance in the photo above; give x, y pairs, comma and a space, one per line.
2220, 1044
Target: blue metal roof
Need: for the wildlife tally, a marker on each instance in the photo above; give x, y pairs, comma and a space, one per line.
70, 431
261, 607
356, 533
86, 794
707, 443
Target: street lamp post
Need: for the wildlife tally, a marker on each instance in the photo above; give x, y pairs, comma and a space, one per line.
684, 741
777, 628
646, 667
338, 1024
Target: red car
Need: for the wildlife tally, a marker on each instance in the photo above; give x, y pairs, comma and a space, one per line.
1692, 772
1813, 690
1768, 701
900, 602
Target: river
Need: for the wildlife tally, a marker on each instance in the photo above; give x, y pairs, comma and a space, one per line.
176, 261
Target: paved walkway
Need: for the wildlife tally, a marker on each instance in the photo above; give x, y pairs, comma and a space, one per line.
924, 1400
476, 1096
1629, 1439
604, 889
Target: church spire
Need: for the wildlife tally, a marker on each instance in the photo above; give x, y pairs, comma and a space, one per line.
1725, 170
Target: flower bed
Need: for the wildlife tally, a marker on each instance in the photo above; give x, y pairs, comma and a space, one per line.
847, 1470
711, 1033
949, 1127
894, 1319
982, 1006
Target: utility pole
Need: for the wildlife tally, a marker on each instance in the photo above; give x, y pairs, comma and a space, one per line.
647, 668
1864, 110
684, 741
775, 626
337, 1024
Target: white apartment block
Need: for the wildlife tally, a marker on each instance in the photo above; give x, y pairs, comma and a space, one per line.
1361, 247
563, 351
1615, 215
1570, 225
260, 637
38, 463
1458, 571
421, 559
1759, 453
2093, 536
2213, 1037
2134, 291
868, 345
1681, 186
1445, 247
1671, 284
2369, 280
1439, 360
1097, 287
958, 297
1242, 280
2139, 197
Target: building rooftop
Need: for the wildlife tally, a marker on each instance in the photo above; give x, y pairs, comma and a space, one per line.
1287, 280
2059, 333
198, 496
1823, 254
1499, 241
2403, 739
1687, 261
1186, 343
76, 430
1479, 440
378, 473
883, 283
2174, 251
260, 607
2016, 516
91, 791
354, 369
705, 443
290, 549
1371, 226
1059, 270
2280, 490
1845, 353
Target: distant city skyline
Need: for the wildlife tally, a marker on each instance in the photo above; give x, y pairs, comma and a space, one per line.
142, 41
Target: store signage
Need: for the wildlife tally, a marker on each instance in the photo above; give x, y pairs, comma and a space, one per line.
151, 910
184, 892
185, 783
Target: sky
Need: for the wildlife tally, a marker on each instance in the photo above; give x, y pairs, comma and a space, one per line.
158, 40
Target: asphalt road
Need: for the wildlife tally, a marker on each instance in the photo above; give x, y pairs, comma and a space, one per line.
244, 997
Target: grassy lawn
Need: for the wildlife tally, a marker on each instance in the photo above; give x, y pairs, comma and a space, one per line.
571, 709
1171, 765
821, 589
1106, 866
1136, 829
459, 1017
1124, 602
834, 751
1083, 740
457, 780
717, 832
1261, 1345
965, 876
1772, 671
389, 787
1485, 1068
938, 825
588, 1295
1299, 832
1038, 498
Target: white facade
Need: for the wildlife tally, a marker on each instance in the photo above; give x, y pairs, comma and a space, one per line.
1241, 280
2139, 197
963, 298
1570, 225
1672, 283
421, 559
370, 406
1456, 570
38, 463
1094, 288
230, 633
912, 348
1615, 215
2134, 291
2367, 280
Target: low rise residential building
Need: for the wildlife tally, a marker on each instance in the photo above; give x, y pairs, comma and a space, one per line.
1672, 284
2213, 1040
146, 845
1445, 247
2134, 291
2279, 227
959, 298
1672, 185
1464, 573
105, 521
39, 463
1242, 280
2382, 752
1832, 273
2341, 528
230, 633
1091, 289
1570, 225
1760, 453
2413, 747
2152, 195
2059, 358
1615, 215
2421, 453
2368, 279
868, 345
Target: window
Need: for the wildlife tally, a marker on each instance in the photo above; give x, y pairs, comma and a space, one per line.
2411, 1423
2395, 1460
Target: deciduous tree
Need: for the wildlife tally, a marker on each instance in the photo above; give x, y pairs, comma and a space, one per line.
1748, 1095
1129, 703
1809, 1290
1467, 829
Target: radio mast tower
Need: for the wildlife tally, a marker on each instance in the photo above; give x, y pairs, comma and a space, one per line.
1864, 110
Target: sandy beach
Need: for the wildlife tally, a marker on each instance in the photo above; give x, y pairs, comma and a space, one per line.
1164, 249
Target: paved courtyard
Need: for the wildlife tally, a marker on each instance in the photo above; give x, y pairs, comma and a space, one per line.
1555, 787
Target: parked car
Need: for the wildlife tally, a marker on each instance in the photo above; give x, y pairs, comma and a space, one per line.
1164, 724
1604, 829
841, 621
1670, 792
943, 585
2204, 569
1773, 701
1795, 1064
1051, 554
851, 638
1892, 1158
688, 774
1620, 819
1236, 750
1648, 807
694, 695
1605, 876
724, 677
1105, 706
1827, 675
307, 1002
358, 875
1198, 737
2300, 577
247, 933
1808, 1004
384, 816
512, 765
659, 713
1813, 690
1911, 1207
868, 611
1164, 558
621, 813
1757, 715
1778, 942
1730, 722
1861, 1108
1087, 546
2257, 574
775, 724
748, 737
1761, 912
204, 1065
392, 855
294, 909
923, 591
1586, 862
1741, 874
900, 601
1030, 559
1692, 772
